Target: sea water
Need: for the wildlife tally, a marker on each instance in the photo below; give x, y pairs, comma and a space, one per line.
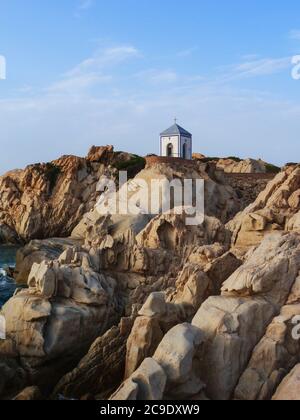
7, 284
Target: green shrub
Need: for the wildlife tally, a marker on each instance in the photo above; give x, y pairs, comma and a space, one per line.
272, 169
235, 159
210, 159
132, 166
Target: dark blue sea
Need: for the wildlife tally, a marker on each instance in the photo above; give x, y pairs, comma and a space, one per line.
7, 285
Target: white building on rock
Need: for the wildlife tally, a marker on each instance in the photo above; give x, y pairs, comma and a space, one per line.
176, 142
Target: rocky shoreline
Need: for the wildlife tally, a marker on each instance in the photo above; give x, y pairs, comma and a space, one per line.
145, 307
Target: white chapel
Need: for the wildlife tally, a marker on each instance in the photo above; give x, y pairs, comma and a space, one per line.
176, 142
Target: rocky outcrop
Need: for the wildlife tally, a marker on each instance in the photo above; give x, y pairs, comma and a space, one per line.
275, 355
231, 328
142, 343
248, 186
49, 200
146, 384
177, 355
275, 209
234, 323
75, 298
150, 307
161, 312
156, 318
247, 166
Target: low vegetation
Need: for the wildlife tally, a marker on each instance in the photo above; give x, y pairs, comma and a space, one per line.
132, 166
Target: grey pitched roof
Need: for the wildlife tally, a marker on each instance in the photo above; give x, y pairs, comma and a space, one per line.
175, 130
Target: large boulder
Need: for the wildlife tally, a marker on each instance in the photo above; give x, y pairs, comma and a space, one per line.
142, 343
38, 251
177, 355
156, 318
61, 313
171, 232
247, 166
147, 383
275, 209
171, 373
275, 355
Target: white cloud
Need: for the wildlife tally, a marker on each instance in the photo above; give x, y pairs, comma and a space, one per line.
104, 58
92, 71
262, 66
82, 7
295, 34
85, 4
77, 84
255, 68
187, 52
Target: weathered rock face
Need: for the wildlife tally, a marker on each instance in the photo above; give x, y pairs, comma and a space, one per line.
275, 355
49, 200
146, 384
77, 297
170, 232
289, 389
12, 377
170, 373
156, 318
66, 306
195, 283
234, 165
37, 252
101, 371
150, 253
272, 359
276, 209
200, 318
29, 394
142, 343
234, 323
248, 186
235, 328
221, 201
247, 166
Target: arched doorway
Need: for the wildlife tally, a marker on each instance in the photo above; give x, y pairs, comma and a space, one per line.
184, 151
170, 150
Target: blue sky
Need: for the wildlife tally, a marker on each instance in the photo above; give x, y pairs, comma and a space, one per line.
84, 72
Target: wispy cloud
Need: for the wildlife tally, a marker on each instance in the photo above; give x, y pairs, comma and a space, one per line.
295, 34
105, 57
157, 77
92, 71
255, 68
187, 52
83, 6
